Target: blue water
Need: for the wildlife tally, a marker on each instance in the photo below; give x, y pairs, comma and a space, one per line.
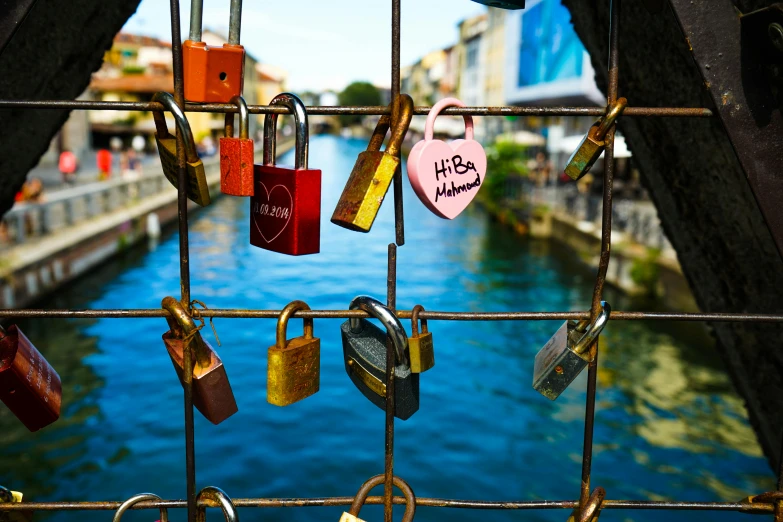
669, 424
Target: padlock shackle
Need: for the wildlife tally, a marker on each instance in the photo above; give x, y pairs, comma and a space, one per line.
244, 119
196, 20
6, 495
218, 496
285, 315
394, 328
167, 100
377, 480
594, 329
612, 113
429, 126
141, 497
415, 321
187, 326
379, 134
302, 130
590, 510
400, 128
235, 22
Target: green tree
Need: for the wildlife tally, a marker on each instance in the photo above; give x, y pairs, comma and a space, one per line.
358, 93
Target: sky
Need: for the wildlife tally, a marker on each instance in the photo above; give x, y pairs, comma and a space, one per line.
323, 44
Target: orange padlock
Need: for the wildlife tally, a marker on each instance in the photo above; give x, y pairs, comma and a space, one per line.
213, 74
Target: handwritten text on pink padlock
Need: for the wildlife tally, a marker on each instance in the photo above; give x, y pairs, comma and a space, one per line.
447, 176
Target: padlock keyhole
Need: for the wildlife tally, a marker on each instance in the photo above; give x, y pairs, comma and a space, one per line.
223, 76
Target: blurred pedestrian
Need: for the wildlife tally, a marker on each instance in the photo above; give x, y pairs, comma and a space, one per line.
68, 166
103, 160
130, 164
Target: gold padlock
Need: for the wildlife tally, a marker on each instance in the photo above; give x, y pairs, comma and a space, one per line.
198, 191
373, 172
6, 495
420, 345
294, 366
594, 143
212, 394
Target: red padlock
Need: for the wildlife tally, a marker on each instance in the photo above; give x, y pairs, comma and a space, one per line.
29, 386
237, 154
285, 211
213, 74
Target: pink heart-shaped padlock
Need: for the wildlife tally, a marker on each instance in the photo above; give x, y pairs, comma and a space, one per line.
447, 176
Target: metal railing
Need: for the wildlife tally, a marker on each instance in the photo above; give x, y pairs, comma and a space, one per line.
766, 504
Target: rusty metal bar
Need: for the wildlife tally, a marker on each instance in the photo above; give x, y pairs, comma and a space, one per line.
391, 363
663, 112
236, 313
399, 211
760, 508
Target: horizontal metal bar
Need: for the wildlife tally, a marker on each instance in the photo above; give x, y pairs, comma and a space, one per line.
689, 112
423, 502
236, 313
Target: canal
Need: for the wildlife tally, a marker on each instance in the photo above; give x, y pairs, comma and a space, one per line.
669, 424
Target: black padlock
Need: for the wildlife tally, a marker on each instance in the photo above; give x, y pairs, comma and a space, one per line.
364, 350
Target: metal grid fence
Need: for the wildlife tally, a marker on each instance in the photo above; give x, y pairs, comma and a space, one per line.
766, 503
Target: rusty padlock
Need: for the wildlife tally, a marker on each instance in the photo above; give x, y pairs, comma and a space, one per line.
237, 155
212, 393
294, 365
361, 497
285, 211
373, 172
29, 386
566, 354
590, 511
213, 74
421, 347
217, 497
594, 143
135, 499
197, 188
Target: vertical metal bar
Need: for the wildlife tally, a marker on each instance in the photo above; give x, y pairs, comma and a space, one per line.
391, 362
779, 503
196, 19
606, 246
399, 214
235, 22
184, 259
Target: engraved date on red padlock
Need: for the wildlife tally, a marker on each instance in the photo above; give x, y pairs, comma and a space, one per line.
237, 154
29, 386
285, 211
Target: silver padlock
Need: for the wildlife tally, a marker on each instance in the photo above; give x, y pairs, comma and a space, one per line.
141, 497
218, 498
566, 354
364, 350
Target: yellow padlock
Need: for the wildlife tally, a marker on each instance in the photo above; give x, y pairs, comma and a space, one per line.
294, 365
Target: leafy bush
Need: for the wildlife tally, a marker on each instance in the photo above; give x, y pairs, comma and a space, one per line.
645, 272
505, 159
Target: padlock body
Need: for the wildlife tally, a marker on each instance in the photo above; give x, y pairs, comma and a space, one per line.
363, 194
294, 372
503, 4
556, 365
198, 190
237, 156
212, 394
347, 517
29, 386
422, 352
588, 152
364, 352
213, 74
285, 210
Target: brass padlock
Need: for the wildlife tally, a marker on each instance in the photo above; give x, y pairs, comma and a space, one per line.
218, 498
591, 510
420, 345
29, 386
135, 499
212, 393
566, 354
294, 365
361, 497
594, 143
13, 497
373, 172
198, 191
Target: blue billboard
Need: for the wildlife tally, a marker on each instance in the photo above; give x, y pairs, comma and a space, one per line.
549, 50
